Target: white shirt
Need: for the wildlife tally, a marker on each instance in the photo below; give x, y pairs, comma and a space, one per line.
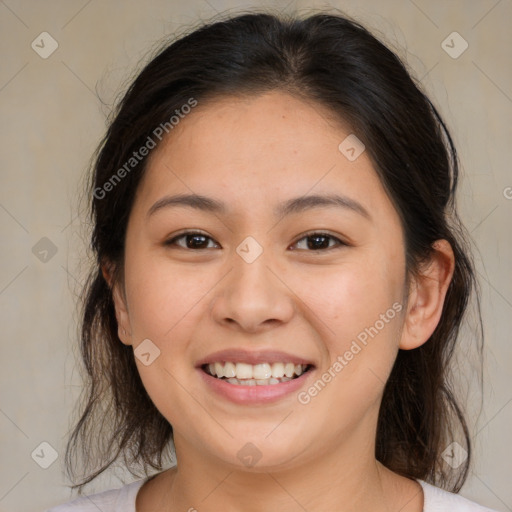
123, 500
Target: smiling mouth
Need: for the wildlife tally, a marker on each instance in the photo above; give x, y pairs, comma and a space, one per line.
263, 374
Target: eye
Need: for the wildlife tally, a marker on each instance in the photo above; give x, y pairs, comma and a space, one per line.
319, 241
193, 240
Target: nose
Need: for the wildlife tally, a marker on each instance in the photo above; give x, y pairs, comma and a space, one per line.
253, 296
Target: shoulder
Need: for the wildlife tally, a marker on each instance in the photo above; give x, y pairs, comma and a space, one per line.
112, 500
439, 500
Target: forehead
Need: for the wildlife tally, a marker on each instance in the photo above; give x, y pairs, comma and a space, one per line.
259, 150
274, 121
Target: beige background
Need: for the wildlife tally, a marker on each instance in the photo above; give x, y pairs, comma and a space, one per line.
52, 121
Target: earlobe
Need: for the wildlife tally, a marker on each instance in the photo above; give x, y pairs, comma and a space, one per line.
122, 316
106, 271
427, 295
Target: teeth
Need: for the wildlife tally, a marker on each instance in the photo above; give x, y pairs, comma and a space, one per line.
243, 370
289, 368
229, 370
219, 369
278, 370
258, 374
261, 371
257, 382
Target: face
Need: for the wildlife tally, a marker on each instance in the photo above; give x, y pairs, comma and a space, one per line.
317, 284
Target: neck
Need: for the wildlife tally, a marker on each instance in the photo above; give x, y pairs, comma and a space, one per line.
346, 482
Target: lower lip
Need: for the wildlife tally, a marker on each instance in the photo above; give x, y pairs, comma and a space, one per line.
241, 394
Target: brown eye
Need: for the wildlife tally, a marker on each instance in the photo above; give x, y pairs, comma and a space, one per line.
319, 241
193, 240
315, 242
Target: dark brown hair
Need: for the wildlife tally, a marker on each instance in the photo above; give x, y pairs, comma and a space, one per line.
334, 61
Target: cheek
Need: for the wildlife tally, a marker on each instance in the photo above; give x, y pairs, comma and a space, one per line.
359, 313
361, 353
165, 306
162, 297
352, 297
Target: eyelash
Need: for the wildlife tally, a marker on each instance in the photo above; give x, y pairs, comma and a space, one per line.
340, 243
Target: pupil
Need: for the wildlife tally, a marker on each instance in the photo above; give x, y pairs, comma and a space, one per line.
317, 245
195, 237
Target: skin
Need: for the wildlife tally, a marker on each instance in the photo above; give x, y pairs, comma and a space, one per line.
254, 154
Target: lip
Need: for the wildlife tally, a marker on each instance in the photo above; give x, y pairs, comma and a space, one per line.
252, 357
254, 395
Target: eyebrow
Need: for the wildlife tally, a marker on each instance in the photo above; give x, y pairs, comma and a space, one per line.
291, 206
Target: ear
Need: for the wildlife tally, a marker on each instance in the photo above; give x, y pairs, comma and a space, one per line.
118, 296
426, 296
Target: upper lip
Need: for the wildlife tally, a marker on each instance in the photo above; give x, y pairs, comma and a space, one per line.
238, 355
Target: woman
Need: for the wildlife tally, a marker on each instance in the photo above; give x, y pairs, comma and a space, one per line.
280, 280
